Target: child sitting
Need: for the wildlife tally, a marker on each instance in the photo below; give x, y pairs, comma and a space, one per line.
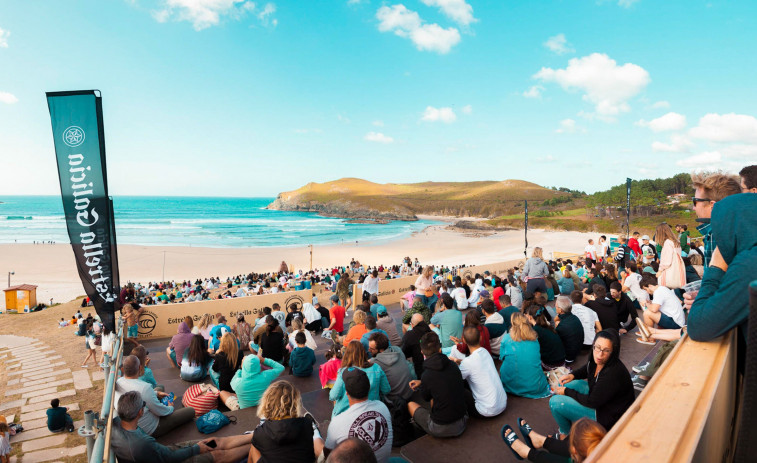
62, 323
302, 359
58, 419
329, 370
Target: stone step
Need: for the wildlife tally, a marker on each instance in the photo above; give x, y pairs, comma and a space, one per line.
53, 395
98, 375
81, 379
54, 453
34, 361
12, 404
31, 371
49, 380
37, 387
39, 392
31, 365
34, 377
42, 412
44, 443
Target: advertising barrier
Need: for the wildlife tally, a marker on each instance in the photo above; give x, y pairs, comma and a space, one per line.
162, 320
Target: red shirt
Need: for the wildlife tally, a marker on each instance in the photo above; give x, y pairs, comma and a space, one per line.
484, 342
337, 313
633, 243
498, 291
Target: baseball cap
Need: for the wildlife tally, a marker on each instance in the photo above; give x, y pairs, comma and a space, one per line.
381, 311
356, 383
645, 237
649, 269
334, 298
484, 293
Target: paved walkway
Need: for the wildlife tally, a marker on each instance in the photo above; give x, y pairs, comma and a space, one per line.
36, 376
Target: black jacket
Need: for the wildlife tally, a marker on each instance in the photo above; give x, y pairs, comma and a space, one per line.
606, 311
571, 333
443, 382
285, 441
611, 392
224, 370
624, 307
550, 346
411, 346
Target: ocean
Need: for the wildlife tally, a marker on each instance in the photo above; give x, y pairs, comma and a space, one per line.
194, 221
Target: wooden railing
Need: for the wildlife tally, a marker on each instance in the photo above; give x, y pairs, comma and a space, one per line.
687, 412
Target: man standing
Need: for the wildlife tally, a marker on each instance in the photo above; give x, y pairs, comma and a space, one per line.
633, 243
590, 253
683, 237
648, 251
336, 314
368, 420
371, 287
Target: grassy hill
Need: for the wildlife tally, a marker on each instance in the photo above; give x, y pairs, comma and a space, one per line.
357, 198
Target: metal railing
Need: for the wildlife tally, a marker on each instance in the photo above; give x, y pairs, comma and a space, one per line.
97, 427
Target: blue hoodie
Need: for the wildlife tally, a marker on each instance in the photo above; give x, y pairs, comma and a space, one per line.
723, 299
250, 382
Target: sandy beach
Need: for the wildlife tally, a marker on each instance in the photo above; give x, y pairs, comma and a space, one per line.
53, 269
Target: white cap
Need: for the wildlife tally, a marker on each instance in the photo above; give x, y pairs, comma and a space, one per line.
645, 237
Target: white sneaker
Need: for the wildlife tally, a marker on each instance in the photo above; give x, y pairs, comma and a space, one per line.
640, 367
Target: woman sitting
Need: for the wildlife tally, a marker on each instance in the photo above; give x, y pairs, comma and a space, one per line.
601, 390
550, 344
565, 282
521, 371
298, 327
355, 356
286, 431
228, 360
585, 435
272, 341
194, 364
356, 332
460, 349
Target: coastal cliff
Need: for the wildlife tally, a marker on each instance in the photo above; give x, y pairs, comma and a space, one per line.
355, 198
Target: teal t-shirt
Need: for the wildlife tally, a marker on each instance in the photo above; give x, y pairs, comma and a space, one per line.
56, 418
450, 323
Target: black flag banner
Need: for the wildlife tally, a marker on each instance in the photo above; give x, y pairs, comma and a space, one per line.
628, 207
77, 122
525, 227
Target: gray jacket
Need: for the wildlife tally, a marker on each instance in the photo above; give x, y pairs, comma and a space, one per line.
397, 371
387, 324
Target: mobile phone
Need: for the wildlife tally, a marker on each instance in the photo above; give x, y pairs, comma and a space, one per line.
212, 444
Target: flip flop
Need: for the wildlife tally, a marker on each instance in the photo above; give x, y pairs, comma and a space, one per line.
509, 439
525, 431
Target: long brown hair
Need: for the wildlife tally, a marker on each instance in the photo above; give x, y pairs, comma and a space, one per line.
230, 348
663, 232
354, 355
585, 435
196, 353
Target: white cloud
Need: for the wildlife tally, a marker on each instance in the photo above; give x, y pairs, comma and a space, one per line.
533, 92
4, 38
445, 115
678, 144
467, 109
378, 123
547, 158
604, 83
708, 160
378, 137
456, 10
626, 3
668, 122
661, 105
568, 126
206, 13
8, 98
407, 24
343, 119
738, 128
559, 44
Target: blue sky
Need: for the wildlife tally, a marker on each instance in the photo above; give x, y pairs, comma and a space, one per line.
241, 98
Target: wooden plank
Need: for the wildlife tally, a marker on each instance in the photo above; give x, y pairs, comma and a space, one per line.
668, 419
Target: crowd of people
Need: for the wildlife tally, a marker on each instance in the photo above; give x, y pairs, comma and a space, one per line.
461, 346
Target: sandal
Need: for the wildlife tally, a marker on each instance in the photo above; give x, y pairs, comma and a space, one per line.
525, 431
509, 439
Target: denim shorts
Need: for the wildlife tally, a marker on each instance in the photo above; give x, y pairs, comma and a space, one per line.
133, 331
667, 323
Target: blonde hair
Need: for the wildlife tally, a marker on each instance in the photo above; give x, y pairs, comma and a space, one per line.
520, 329
280, 401
716, 186
585, 435
428, 271
207, 319
230, 348
537, 253
297, 325
663, 232
359, 317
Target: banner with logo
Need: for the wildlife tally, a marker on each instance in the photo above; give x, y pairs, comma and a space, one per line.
77, 123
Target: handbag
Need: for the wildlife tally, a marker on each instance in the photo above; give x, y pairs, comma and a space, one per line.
98, 340
674, 277
201, 398
213, 421
429, 292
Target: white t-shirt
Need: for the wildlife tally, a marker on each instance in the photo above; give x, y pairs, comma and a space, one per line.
592, 250
370, 422
484, 381
458, 294
670, 305
588, 319
516, 296
603, 246
632, 283
371, 285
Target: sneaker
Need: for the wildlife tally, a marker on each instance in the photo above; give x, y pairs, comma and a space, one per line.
640, 367
638, 383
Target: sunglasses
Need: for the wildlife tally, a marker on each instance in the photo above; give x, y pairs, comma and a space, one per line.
695, 200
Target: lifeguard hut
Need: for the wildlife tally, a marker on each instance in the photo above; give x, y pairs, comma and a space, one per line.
20, 298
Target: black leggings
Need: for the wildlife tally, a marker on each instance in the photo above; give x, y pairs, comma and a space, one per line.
554, 451
536, 284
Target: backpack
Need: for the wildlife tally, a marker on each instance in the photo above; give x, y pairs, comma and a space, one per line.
213, 421
402, 427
